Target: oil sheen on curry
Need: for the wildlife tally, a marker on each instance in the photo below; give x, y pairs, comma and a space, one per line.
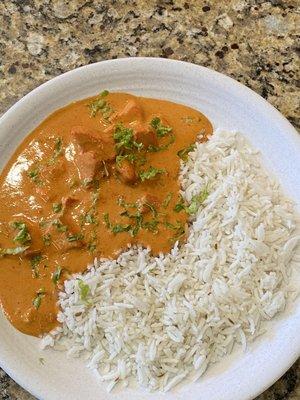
93, 178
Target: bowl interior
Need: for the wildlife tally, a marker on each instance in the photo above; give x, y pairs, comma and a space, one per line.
227, 104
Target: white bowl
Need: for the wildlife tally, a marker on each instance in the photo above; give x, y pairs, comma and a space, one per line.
229, 105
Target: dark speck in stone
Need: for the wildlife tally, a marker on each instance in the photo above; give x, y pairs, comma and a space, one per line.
206, 8
219, 54
12, 69
234, 46
167, 52
264, 93
160, 10
186, 6
176, 9
225, 48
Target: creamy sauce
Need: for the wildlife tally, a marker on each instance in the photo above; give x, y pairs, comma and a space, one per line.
78, 203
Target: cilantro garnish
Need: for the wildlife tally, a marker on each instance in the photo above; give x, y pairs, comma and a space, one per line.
101, 105
56, 275
84, 289
160, 129
23, 236
151, 173
183, 154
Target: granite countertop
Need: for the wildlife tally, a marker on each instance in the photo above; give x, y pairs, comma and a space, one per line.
254, 41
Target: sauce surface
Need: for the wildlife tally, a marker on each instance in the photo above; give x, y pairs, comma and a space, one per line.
94, 177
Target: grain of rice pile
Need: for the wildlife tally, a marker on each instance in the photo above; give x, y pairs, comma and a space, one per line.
161, 319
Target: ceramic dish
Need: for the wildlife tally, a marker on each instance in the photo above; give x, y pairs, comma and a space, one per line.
227, 104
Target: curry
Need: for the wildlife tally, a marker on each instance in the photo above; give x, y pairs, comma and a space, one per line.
95, 177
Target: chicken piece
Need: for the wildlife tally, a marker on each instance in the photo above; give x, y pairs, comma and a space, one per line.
147, 203
127, 172
132, 111
49, 174
60, 239
67, 203
32, 252
142, 134
87, 165
102, 143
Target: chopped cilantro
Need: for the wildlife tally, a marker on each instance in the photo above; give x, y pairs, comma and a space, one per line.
179, 206
124, 139
75, 237
152, 209
84, 289
90, 218
47, 239
196, 201
59, 226
58, 147
183, 154
91, 247
118, 228
35, 260
178, 228
160, 129
151, 173
107, 220
23, 236
38, 298
56, 274
13, 251
167, 200
57, 207
151, 225
101, 105
34, 175
154, 149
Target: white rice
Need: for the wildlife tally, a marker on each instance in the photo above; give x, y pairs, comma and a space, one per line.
163, 318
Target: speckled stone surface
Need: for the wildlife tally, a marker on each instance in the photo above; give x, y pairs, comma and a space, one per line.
255, 42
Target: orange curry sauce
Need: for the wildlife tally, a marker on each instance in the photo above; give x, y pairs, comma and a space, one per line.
94, 177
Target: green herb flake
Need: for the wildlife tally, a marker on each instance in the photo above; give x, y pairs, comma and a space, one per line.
196, 201
160, 129
90, 218
57, 207
179, 206
118, 228
34, 262
107, 220
75, 237
47, 239
101, 105
124, 139
84, 290
155, 149
151, 173
151, 225
42, 361
178, 228
167, 200
91, 247
152, 209
56, 275
59, 226
183, 154
38, 298
23, 236
13, 251
34, 175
